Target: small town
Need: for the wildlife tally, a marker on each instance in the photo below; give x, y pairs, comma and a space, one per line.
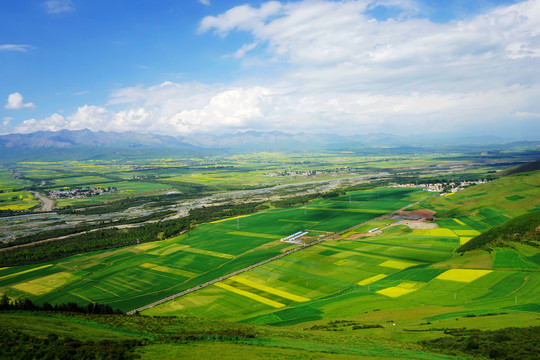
444, 188
79, 193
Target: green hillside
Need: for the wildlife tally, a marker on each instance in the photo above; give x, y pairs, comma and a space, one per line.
532, 166
523, 229
28, 335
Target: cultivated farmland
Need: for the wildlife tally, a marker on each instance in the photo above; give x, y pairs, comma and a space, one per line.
398, 269
134, 276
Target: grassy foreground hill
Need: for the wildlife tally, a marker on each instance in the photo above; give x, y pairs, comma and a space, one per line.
83, 336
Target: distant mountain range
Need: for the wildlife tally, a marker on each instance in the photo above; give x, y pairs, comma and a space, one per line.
86, 144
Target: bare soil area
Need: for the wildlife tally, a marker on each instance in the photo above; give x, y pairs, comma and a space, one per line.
424, 213
419, 224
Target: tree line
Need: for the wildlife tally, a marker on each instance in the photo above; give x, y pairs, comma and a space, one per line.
9, 304
114, 238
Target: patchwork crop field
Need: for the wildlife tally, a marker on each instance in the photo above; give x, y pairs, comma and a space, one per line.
401, 268
134, 276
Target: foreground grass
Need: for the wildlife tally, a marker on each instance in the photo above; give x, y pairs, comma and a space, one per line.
106, 336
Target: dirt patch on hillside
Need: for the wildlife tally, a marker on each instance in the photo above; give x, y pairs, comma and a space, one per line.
419, 224
356, 236
424, 213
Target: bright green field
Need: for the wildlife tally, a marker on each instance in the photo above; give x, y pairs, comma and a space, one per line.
8, 183
482, 207
131, 277
328, 275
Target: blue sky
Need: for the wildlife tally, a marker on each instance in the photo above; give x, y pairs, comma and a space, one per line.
195, 66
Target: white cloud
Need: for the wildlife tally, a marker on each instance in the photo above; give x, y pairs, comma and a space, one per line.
58, 6
15, 47
527, 114
205, 2
15, 102
240, 53
243, 17
327, 66
54, 122
336, 44
6, 120
214, 109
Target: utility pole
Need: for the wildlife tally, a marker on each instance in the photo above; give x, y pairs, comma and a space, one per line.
237, 224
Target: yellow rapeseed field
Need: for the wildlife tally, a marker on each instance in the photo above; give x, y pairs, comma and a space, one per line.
269, 289
402, 289
26, 271
434, 232
395, 264
372, 279
169, 270
462, 275
467, 232
148, 246
252, 296
16, 207
464, 240
231, 218
460, 222
44, 284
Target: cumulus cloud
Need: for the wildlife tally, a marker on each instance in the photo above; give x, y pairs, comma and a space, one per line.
337, 44
15, 47
243, 17
15, 102
154, 109
58, 6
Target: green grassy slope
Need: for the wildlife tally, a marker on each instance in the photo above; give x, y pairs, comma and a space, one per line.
56, 335
522, 229
532, 166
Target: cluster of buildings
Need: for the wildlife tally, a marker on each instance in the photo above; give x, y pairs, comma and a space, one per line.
294, 238
454, 187
444, 187
307, 173
79, 193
